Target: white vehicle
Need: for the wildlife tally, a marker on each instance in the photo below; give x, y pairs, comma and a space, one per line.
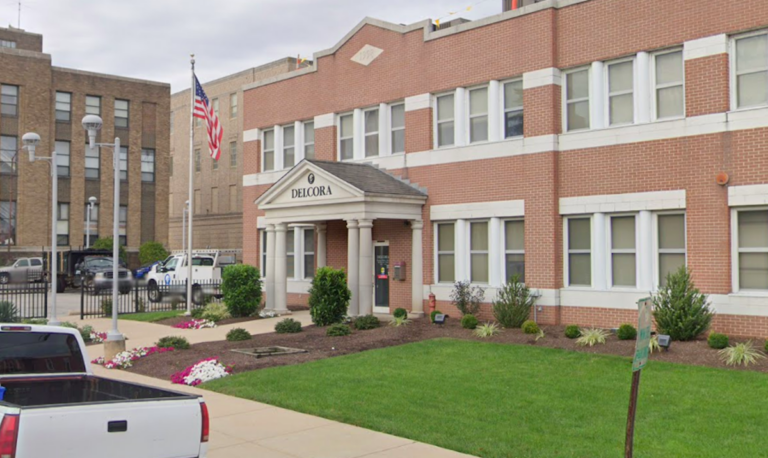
170, 277
54, 406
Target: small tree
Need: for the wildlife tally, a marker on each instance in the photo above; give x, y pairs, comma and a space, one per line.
679, 309
241, 286
106, 244
513, 304
151, 252
329, 296
467, 298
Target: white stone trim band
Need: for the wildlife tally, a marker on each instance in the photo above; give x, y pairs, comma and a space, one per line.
543, 77
501, 209
742, 196
612, 203
705, 47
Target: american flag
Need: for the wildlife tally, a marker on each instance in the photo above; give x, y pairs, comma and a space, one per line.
204, 110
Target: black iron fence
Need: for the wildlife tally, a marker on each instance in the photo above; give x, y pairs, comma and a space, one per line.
29, 299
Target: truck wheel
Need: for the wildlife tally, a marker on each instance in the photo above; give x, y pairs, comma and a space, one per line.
4, 279
198, 298
153, 292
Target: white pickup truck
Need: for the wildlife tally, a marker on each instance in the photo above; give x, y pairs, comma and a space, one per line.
169, 278
54, 406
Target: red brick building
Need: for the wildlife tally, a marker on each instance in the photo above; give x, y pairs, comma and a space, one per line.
590, 146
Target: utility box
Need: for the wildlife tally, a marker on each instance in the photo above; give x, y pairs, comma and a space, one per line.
399, 271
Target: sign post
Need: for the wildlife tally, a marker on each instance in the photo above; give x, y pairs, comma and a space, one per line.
642, 347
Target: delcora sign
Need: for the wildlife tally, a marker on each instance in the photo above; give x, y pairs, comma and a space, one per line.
311, 190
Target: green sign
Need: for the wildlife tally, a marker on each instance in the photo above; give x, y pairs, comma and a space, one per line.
644, 322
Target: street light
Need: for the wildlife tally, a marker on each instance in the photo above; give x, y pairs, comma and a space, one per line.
91, 204
115, 342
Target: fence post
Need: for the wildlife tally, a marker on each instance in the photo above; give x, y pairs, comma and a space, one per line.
136, 297
45, 302
82, 300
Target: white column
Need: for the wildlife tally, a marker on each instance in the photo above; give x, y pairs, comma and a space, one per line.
353, 265
417, 268
599, 258
298, 243
279, 162
460, 131
645, 251
281, 271
643, 88
461, 250
596, 96
298, 141
494, 111
358, 127
270, 280
322, 231
366, 267
494, 248
384, 135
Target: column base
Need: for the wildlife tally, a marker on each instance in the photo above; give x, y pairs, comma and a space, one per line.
112, 348
416, 314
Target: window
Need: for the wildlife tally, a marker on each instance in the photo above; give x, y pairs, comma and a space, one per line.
216, 107
289, 252
269, 150
62, 225
478, 252
671, 245
513, 109
8, 151
94, 232
445, 124
123, 227
92, 162
93, 105
148, 165
669, 83
751, 71
371, 119
215, 165
233, 154
514, 250
623, 251
753, 249
577, 100
9, 100
398, 128
198, 166
62, 158
478, 115
7, 222
7, 44
309, 140
621, 106
446, 253
263, 240
289, 146
124, 163
233, 105
309, 253
346, 137
579, 252
63, 106
121, 113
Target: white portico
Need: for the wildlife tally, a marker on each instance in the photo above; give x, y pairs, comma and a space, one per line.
316, 192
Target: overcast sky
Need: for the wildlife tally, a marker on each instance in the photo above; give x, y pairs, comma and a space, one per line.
152, 39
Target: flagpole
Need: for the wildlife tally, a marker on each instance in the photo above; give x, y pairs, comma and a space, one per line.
191, 185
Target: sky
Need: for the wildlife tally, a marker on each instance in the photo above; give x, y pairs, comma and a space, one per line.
152, 39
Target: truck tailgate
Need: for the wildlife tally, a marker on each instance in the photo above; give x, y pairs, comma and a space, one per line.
167, 428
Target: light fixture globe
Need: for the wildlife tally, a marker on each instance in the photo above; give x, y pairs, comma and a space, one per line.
92, 124
92, 200
30, 140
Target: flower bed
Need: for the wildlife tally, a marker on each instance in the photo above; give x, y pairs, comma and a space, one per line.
195, 324
201, 372
98, 337
125, 359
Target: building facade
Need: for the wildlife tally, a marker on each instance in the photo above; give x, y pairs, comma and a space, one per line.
51, 101
588, 146
218, 217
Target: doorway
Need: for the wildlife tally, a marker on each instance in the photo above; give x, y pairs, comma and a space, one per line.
381, 277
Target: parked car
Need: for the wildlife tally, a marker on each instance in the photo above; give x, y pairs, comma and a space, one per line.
22, 270
170, 277
55, 407
96, 274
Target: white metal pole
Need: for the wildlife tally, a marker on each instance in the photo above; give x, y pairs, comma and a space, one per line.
114, 334
184, 227
191, 185
88, 227
54, 319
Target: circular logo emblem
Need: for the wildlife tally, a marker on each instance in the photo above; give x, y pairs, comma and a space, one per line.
167, 279
311, 178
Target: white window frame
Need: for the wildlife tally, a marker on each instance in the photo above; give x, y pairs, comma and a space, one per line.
655, 87
67, 103
284, 148
60, 157
436, 124
351, 137
233, 107
506, 250
470, 116
469, 251
610, 251
63, 223
393, 129
264, 150
262, 253
504, 109
657, 252
565, 102
734, 73
304, 142
436, 241
98, 105
735, 251
304, 253
290, 253
367, 134
608, 94
567, 251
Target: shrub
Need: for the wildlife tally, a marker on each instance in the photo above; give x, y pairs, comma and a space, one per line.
741, 354
241, 287
400, 321
432, 315
329, 296
717, 341
487, 330
400, 313
238, 334
530, 327
366, 322
288, 326
540, 335
106, 307
141, 306
152, 252
468, 322
106, 244
215, 312
8, 313
572, 331
338, 330
513, 304
467, 298
626, 332
176, 342
679, 309
38, 321
196, 313
592, 337
85, 332
175, 305
766, 346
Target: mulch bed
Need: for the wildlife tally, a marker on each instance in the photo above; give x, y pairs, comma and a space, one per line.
319, 346
182, 319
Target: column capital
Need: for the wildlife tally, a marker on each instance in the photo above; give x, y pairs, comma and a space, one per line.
321, 227
281, 227
352, 224
365, 223
270, 228
417, 224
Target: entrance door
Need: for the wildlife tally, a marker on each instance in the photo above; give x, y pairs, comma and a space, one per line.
381, 277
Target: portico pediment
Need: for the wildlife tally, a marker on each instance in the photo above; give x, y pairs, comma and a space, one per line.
308, 185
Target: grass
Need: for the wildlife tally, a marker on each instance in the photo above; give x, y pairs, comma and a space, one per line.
151, 317
496, 400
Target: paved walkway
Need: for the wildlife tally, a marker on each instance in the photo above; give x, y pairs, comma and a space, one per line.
246, 429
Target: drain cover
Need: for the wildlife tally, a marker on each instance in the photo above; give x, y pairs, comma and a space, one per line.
262, 352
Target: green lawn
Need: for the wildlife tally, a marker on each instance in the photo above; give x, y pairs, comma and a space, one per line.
151, 317
497, 400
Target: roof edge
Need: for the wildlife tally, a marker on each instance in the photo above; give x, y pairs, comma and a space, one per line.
114, 77
274, 63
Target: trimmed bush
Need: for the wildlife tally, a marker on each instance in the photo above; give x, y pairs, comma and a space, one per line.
215, 312
467, 298
626, 332
38, 321
176, 342
513, 304
400, 313
8, 313
152, 252
530, 327
85, 331
288, 326
679, 309
196, 313
432, 315
241, 286
338, 330
238, 334
363, 323
106, 307
468, 322
399, 321
572, 331
329, 296
717, 341
105, 243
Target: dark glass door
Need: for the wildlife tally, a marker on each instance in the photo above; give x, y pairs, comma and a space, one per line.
381, 277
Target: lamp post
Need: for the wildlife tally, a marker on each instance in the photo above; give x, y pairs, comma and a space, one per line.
115, 342
184, 224
30, 141
91, 204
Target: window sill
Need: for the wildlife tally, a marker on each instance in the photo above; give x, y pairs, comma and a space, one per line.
756, 293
